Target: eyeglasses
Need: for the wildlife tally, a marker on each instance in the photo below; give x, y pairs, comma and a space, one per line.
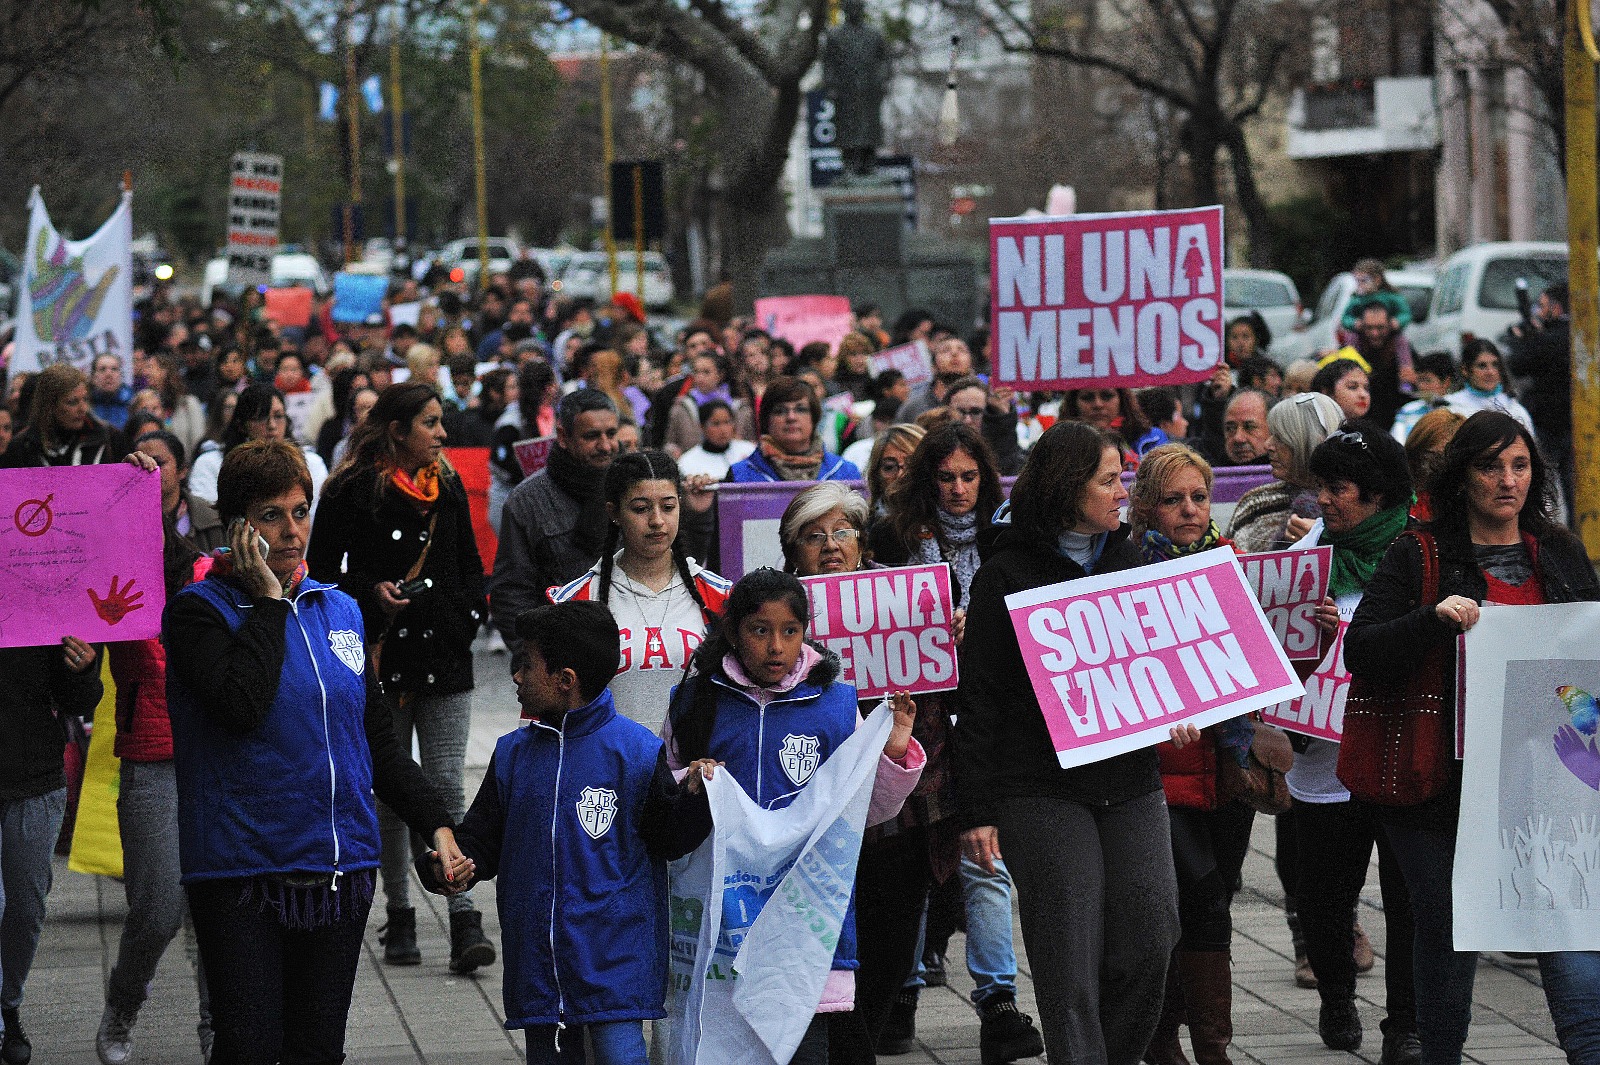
891, 466
819, 539
784, 409
969, 413
1309, 399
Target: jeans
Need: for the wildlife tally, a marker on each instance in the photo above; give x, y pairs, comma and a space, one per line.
1099, 905
1572, 989
278, 994
615, 1043
1341, 835
442, 724
28, 831
147, 815
1443, 975
991, 955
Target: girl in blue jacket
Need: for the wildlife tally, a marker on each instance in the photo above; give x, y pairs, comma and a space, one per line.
578, 816
766, 703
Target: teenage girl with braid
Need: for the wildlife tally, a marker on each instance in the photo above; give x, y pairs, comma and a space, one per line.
662, 599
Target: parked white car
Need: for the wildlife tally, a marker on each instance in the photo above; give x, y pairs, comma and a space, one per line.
587, 275
1477, 292
289, 268
1321, 333
1267, 292
503, 251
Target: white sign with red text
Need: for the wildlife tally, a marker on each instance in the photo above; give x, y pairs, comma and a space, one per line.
912, 360
891, 628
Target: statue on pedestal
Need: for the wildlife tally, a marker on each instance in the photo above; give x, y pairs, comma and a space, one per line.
855, 70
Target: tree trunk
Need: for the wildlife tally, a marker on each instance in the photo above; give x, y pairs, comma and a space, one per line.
1258, 224
1202, 141
753, 223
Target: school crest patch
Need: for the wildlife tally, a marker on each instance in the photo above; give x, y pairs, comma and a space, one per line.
597, 808
346, 643
798, 756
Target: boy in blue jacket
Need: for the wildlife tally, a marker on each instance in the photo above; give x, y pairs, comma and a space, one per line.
578, 815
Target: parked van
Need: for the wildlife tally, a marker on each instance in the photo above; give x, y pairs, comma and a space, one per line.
1476, 294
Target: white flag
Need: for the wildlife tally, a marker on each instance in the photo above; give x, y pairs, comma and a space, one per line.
757, 909
77, 295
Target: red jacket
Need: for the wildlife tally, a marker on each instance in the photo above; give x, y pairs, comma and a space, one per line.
144, 732
1189, 776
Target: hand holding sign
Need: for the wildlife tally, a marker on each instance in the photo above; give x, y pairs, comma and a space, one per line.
905, 716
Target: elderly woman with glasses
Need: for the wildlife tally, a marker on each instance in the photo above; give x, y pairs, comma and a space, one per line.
1295, 427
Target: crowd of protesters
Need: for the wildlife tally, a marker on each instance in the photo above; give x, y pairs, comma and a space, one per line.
326, 587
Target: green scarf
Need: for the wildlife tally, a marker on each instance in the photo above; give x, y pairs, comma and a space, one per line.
1356, 553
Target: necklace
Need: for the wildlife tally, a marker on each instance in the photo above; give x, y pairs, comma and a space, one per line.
667, 595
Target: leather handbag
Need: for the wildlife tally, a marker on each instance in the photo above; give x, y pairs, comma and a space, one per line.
1399, 743
1260, 784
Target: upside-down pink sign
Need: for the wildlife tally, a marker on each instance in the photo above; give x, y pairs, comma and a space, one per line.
1117, 660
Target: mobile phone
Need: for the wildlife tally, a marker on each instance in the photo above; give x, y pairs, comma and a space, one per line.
412, 589
261, 541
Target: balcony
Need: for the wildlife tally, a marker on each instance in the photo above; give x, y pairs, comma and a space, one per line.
1362, 118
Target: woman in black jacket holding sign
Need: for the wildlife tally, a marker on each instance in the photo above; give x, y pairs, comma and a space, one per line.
1493, 541
393, 530
1088, 848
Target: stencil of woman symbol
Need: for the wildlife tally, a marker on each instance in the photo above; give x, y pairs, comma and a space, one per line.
33, 517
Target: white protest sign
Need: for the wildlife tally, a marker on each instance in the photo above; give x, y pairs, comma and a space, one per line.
912, 360
889, 627
75, 297
1527, 871
1290, 585
1118, 659
1110, 300
255, 194
757, 909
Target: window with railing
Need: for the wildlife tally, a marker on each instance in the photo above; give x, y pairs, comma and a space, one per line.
1339, 105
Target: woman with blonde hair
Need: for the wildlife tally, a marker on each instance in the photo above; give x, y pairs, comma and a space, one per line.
891, 454
1425, 453
61, 429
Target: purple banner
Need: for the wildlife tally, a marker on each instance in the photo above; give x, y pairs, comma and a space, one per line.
748, 514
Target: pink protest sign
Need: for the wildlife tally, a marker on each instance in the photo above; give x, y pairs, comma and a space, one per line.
910, 359
533, 455
1110, 300
80, 554
802, 319
1117, 660
889, 627
1320, 712
1289, 585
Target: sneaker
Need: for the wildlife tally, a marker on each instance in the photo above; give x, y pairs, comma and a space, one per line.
14, 1048
1304, 976
933, 969
1339, 1024
1362, 954
899, 1035
114, 1041
1401, 1048
1006, 1033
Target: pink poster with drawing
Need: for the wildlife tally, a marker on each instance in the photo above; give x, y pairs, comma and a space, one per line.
1108, 300
80, 554
1290, 586
533, 454
891, 628
1320, 712
802, 319
1117, 660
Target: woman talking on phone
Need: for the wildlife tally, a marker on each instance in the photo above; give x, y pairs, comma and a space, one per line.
394, 530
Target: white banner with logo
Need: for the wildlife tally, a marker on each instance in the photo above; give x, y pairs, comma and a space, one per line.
757, 909
76, 299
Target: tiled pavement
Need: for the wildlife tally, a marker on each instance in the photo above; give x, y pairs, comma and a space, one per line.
411, 1016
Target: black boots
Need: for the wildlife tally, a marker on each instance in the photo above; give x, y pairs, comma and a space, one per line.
1006, 1033
399, 938
899, 1035
469, 948
15, 1050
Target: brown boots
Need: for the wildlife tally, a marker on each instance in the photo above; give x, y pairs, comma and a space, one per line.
1200, 994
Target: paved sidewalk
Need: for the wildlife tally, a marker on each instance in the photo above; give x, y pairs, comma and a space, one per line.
412, 1016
